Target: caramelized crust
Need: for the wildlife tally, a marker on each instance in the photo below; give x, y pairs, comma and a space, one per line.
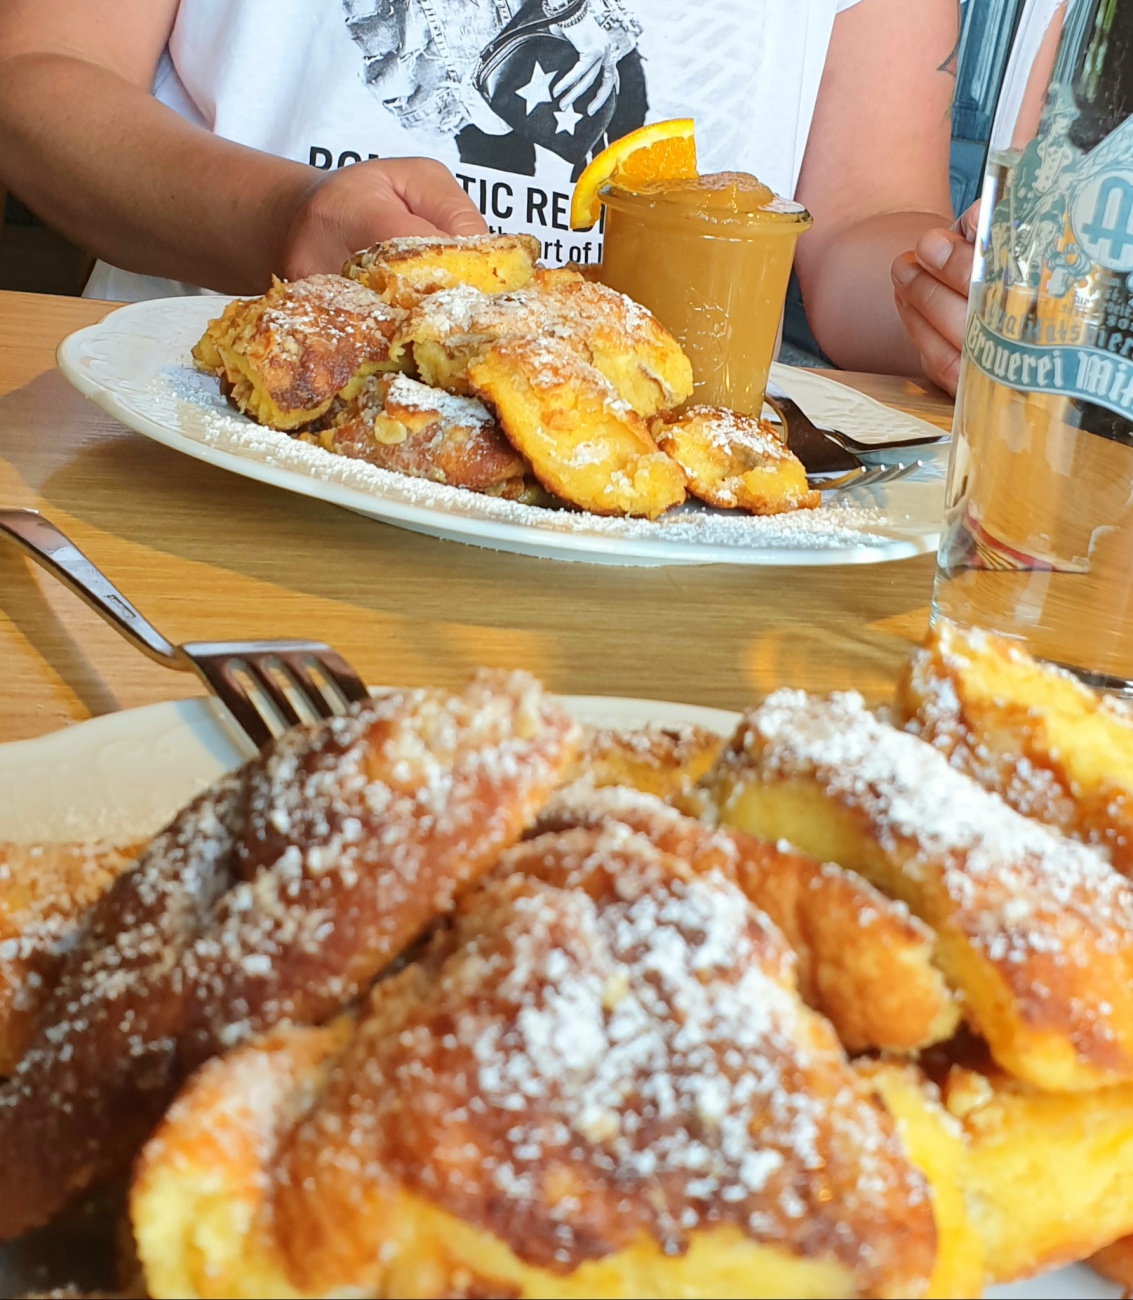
403, 271
584, 444
44, 891
1050, 746
1031, 928
665, 761
599, 1081
616, 335
285, 357
276, 896
398, 424
735, 461
862, 960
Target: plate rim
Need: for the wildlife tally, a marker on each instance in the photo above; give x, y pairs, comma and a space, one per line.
437, 522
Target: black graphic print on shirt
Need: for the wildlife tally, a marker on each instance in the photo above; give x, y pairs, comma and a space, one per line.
506, 76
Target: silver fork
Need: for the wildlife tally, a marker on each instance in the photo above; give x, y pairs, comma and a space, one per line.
265, 685
865, 476
806, 439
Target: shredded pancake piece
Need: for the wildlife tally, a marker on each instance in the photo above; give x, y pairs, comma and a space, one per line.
1033, 733
665, 761
585, 444
1032, 928
286, 357
861, 959
620, 338
399, 424
44, 891
275, 897
406, 270
600, 1073
735, 461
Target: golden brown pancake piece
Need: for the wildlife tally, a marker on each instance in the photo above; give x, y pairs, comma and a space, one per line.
598, 1081
44, 891
1032, 929
660, 760
735, 461
276, 896
398, 424
631, 348
284, 358
584, 444
403, 271
1038, 737
861, 959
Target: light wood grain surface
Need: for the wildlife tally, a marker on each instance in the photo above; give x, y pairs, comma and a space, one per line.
208, 555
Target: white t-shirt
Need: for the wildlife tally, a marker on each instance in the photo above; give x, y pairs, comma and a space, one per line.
473, 83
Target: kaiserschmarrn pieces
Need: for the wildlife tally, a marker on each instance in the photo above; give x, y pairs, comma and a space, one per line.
276, 896
1022, 1180
598, 1081
1050, 746
584, 444
665, 761
616, 335
1032, 929
735, 461
284, 358
398, 424
44, 891
403, 271
861, 958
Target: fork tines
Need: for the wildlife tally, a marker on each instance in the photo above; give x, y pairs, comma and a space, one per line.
866, 476
268, 686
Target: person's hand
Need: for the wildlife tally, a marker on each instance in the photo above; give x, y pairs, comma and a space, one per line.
597, 62
343, 211
930, 286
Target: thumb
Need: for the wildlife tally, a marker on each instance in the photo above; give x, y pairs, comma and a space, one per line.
431, 192
967, 224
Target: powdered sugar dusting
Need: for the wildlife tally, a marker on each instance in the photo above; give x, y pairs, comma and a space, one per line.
1050, 914
607, 1044
414, 396
203, 416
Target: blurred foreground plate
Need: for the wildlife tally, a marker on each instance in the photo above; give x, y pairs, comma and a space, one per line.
124, 775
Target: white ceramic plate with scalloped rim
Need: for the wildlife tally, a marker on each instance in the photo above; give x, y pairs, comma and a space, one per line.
124, 775
136, 365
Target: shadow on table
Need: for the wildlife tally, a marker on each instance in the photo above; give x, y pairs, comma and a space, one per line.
575, 624
23, 601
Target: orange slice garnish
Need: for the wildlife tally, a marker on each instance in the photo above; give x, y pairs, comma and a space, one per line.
660, 151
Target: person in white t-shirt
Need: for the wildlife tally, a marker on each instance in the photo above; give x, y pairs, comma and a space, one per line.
215, 142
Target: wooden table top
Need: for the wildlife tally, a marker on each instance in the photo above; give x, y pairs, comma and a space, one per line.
207, 555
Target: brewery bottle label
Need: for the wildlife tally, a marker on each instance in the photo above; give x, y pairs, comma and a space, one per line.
1055, 311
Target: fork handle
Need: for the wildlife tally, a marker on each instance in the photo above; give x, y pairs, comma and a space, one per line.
61, 557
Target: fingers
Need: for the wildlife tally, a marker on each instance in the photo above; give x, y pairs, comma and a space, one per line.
605, 90
940, 355
432, 193
578, 79
943, 306
968, 222
947, 256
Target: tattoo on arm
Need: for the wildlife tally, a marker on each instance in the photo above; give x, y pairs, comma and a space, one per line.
949, 66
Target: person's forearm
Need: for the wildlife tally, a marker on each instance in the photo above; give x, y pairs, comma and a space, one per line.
848, 291
125, 177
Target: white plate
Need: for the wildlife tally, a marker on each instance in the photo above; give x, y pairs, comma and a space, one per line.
126, 773
136, 365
